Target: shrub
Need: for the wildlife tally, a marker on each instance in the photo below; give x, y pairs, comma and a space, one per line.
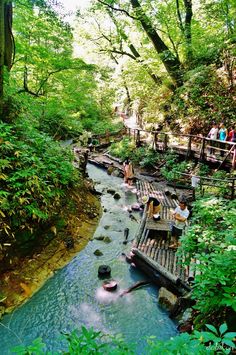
211, 240
35, 173
89, 341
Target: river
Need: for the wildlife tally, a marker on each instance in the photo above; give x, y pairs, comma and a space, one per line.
74, 295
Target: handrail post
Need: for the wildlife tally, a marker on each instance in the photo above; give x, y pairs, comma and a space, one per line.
202, 154
138, 138
188, 154
155, 141
165, 142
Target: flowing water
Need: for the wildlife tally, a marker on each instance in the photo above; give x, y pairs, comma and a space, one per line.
74, 295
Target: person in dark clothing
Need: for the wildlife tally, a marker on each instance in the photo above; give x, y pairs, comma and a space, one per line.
154, 207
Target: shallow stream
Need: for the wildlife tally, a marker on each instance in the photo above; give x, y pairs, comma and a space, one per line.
74, 295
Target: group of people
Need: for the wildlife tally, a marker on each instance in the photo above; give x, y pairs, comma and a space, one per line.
223, 134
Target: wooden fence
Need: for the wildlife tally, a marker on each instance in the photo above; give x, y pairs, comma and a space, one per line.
188, 145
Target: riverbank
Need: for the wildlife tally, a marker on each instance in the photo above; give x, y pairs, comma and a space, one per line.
30, 273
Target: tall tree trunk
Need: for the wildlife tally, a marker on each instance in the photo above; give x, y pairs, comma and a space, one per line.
186, 26
2, 46
8, 35
171, 63
187, 29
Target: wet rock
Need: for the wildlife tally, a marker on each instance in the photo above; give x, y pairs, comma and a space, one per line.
98, 252
104, 271
166, 298
110, 170
135, 207
187, 315
100, 237
111, 191
116, 173
117, 196
104, 210
107, 240
110, 285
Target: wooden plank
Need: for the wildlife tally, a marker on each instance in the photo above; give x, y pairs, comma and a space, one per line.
161, 225
156, 266
141, 227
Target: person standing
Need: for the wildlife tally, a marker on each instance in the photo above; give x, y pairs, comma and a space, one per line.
223, 134
213, 134
128, 172
232, 135
180, 215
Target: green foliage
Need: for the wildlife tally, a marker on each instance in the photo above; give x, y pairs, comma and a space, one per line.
102, 125
149, 157
203, 98
210, 239
35, 173
89, 341
143, 156
172, 168
124, 148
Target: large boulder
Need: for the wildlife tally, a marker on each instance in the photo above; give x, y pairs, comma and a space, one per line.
166, 298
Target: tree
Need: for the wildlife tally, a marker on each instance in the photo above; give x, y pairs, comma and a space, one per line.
170, 61
6, 45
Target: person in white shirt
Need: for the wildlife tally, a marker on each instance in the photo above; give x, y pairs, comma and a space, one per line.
213, 134
180, 215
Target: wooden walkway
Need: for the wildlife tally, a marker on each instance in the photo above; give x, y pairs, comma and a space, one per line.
153, 240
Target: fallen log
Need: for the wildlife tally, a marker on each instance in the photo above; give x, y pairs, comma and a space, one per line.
134, 287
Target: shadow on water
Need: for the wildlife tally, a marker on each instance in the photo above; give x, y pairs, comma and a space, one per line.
74, 295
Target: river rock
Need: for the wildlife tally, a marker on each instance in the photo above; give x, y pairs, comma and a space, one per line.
98, 252
116, 173
117, 196
100, 237
135, 207
166, 298
111, 191
110, 170
107, 240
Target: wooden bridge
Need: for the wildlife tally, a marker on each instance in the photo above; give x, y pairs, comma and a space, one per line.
151, 250
187, 145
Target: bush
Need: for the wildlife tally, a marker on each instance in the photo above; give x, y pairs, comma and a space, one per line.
211, 240
89, 341
35, 174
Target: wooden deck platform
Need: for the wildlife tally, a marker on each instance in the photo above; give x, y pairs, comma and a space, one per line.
153, 240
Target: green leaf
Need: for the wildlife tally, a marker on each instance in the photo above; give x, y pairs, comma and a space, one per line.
212, 328
223, 328
229, 343
230, 335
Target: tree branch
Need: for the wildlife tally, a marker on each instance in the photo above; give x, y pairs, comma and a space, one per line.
116, 9
179, 17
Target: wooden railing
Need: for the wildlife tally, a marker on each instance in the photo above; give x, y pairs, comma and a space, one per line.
189, 145
229, 184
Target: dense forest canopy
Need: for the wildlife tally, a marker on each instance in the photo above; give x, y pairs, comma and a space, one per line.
177, 57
